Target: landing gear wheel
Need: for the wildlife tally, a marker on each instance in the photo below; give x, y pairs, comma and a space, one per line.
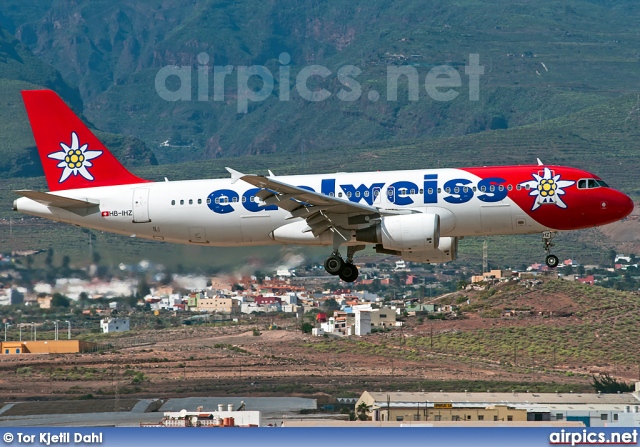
349, 272
333, 264
552, 261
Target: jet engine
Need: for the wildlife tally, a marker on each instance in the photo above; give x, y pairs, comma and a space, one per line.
405, 233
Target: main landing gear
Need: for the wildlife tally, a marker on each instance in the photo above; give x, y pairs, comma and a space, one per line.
552, 261
335, 265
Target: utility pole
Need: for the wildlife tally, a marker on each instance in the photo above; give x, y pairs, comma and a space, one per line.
68, 329
485, 262
6, 325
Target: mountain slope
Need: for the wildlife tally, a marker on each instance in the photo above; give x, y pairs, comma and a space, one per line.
21, 70
542, 60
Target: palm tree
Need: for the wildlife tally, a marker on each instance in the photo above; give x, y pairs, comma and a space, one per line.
362, 410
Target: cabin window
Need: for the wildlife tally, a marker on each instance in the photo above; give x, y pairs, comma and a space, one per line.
447, 190
357, 193
430, 191
465, 189
199, 201
234, 200
349, 194
366, 193
173, 202
500, 188
518, 187
591, 183
439, 190
244, 199
474, 189
509, 188
190, 201
492, 188
456, 190
330, 194
339, 194
483, 188
208, 201
422, 191
181, 202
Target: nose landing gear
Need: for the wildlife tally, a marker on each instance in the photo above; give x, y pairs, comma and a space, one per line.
335, 265
552, 261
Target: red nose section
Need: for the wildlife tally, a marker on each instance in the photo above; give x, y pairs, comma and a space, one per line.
620, 205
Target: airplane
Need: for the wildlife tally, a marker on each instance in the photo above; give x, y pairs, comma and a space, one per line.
419, 215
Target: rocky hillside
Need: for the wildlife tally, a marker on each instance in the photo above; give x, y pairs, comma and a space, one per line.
21, 70
542, 60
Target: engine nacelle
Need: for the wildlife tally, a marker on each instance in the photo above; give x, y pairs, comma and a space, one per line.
447, 251
405, 233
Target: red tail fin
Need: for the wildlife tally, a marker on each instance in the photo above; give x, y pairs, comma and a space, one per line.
71, 155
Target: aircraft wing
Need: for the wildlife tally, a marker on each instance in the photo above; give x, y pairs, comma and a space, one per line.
322, 212
49, 199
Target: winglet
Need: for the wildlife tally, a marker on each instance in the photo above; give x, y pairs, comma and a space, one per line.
235, 175
540, 162
270, 173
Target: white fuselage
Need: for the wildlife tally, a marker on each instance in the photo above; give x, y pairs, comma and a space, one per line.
219, 212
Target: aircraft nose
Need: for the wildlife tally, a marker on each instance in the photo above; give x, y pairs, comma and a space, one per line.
621, 205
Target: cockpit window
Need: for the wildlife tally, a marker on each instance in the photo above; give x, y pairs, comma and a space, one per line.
590, 183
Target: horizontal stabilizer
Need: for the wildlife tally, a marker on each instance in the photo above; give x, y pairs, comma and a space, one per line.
49, 199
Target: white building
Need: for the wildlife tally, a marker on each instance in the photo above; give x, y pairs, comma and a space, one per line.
110, 324
363, 322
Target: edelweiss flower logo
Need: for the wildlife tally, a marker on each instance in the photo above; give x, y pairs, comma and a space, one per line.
75, 159
547, 189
